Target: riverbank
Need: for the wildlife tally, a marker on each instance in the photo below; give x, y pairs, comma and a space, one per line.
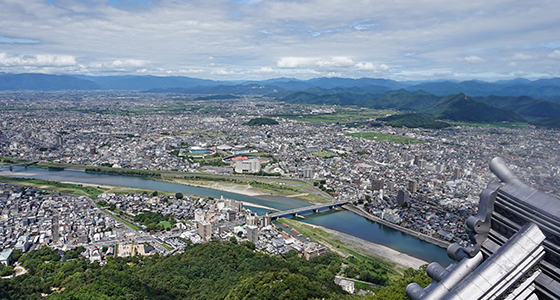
247, 190
418, 235
346, 244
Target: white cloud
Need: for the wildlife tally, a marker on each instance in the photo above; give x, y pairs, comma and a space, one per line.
301, 37
295, 62
223, 72
306, 62
520, 56
474, 59
372, 67
36, 60
555, 54
266, 70
128, 63
190, 71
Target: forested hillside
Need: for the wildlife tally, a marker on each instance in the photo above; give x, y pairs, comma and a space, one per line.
209, 271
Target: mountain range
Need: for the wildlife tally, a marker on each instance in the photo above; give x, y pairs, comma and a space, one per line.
541, 89
516, 100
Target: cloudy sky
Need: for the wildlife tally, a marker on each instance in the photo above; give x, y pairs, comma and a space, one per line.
260, 39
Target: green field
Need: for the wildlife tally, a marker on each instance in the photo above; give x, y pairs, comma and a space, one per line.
381, 137
123, 221
323, 154
166, 247
165, 224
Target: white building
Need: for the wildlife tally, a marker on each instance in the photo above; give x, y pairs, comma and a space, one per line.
248, 166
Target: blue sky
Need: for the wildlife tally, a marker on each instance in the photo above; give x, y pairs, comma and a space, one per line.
260, 39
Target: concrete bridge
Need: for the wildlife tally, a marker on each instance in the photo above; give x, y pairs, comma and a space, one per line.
313, 208
25, 164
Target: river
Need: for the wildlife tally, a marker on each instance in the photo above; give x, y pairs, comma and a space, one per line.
341, 220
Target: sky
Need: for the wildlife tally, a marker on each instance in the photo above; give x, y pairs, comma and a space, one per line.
260, 39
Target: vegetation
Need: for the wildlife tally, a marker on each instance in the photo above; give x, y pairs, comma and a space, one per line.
155, 221
261, 122
547, 123
124, 221
54, 185
323, 154
209, 271
414, 121
129, 172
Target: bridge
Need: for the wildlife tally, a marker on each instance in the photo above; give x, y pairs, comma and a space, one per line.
313, 208
25, 164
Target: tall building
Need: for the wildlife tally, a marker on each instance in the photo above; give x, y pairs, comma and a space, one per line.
457, 173
307, 172
253, 233
390, 185
376, 184
252, 221
199, 215
402, 197
267, 220
205, 230
412, 186
231, 215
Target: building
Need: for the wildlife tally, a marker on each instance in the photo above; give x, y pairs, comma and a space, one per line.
376, 184
307, 172
402, 197
346, 285
312, 250
247, 166
457, 173
252, 221
205, 230
231, 215
412, 186
253, 233
267, 220
6, 257
199, 215
23, 244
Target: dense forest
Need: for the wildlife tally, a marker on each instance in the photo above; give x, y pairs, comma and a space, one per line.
261, 121
208, 271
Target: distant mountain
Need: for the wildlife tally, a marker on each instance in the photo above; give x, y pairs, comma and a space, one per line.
535, 91
542, 88
545, 89
414, 121
453, 107
330, 99
457, 108
44, 82
149, 82
240, 89
333, 82
553, 122
523, 105
404, 100
473, 87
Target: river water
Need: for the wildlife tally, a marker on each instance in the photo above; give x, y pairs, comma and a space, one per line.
341, 220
